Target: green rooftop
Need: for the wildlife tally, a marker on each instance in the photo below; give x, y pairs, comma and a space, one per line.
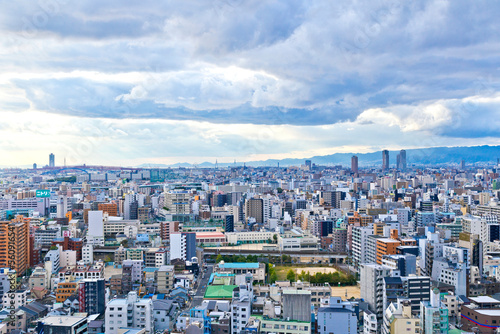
220, 291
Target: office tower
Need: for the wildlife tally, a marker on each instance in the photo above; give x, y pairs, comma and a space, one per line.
462, 164
401, 160
14, 245
308, 164
183, 246
34, 166
402, 155
52, 160
254, 208
354, 164
229, 223
92, 296
385, 160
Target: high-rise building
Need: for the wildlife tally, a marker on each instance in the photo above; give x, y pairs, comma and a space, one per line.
354, 164
178, 202
385, 160
182, 246
308, 164
401, 160
332, 198
92, 296
52, 160
372, 284
433, 315
95, 233
229, 223
254, 208
14, 244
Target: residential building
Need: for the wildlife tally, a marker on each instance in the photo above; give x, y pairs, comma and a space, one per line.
131, 312
339, 317
14, 245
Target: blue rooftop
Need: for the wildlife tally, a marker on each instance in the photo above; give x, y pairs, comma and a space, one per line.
236, 265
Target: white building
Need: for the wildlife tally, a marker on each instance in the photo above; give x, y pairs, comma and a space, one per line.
249, 237
19, 299
161, 258
68, 258
241, 305
53, 256
95, 233
372, 286
88, 254
177, 246
359, 238
131, 312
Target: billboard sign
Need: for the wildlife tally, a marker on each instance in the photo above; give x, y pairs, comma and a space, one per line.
43, 193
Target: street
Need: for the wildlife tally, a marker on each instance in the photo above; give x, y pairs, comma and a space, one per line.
202, 287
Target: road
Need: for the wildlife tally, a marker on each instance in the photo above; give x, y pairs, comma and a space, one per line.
202, 287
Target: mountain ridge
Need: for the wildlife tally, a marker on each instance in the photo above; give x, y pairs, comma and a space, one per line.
417, 156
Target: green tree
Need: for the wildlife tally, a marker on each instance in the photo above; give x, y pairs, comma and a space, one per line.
290, 275
273, 277
218, 259
275, 238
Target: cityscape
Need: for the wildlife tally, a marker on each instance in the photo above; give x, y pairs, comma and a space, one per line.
249, 167
296, 249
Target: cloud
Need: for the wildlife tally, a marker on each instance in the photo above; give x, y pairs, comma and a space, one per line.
424, 70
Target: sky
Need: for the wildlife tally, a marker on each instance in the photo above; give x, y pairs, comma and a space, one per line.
160, 82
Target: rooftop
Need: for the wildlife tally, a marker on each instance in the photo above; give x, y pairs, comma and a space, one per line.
233, 265
220, 291
62, 320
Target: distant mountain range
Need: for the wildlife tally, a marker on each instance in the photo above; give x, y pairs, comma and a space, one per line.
420, 156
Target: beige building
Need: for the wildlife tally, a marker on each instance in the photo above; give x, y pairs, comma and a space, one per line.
268, 326
318, 291
398, 319
39, 278
165, 279
178, 202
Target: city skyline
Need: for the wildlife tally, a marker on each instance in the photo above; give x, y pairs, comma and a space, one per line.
158, 84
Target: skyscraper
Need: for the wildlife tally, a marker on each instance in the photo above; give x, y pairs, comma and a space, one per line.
401, 160
354, 164
52, 160
385, 160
